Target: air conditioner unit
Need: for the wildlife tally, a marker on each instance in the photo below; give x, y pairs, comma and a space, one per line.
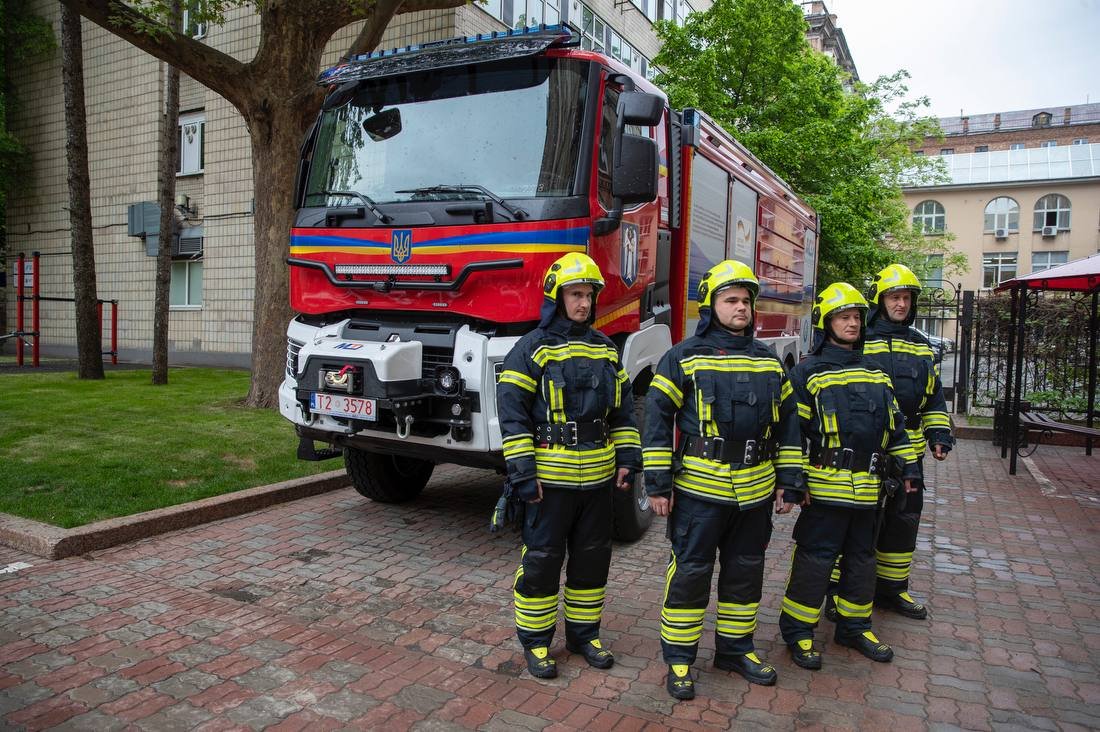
1049, 231
1000, 233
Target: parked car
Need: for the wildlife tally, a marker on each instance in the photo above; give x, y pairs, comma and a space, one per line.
939, 345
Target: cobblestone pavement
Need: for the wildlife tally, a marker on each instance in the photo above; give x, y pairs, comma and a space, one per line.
335, 612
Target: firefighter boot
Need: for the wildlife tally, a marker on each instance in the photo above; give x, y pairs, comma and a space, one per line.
539, 663
748, 665
867, 644
804, 655
596, 655
679, 683
903, 604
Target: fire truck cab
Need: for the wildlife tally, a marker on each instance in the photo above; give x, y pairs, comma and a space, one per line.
438, 184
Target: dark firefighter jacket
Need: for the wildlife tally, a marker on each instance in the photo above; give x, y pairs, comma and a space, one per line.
845, 402
716, 383
565, 372
906, 357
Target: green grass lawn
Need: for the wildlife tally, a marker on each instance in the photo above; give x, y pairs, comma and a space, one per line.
73, 452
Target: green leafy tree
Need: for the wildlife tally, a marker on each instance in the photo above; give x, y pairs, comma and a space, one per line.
276, 94
23, 35
747, 64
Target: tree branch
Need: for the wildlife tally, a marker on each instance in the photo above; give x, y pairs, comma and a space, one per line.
371, 33
213, 69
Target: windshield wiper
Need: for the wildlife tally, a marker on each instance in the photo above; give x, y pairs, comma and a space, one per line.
518, 214
367, 201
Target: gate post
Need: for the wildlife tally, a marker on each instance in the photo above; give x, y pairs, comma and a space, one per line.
962, 363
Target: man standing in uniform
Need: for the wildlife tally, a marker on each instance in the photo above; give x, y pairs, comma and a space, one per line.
906, 357
850, 419
567, 419
731, 402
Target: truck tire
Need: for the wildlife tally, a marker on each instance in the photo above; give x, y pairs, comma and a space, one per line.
386, 478
632, 512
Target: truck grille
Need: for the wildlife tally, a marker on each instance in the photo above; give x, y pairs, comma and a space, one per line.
292, 349
434, 356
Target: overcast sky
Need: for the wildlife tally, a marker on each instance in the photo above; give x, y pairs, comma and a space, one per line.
979, 55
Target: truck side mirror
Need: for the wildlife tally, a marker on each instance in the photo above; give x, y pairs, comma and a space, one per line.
640, 108
634, 179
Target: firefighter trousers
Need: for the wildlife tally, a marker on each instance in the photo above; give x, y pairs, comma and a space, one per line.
822, 533
898, 539
577, 522
698, 530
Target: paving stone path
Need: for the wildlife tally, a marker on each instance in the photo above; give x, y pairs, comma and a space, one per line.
334, 612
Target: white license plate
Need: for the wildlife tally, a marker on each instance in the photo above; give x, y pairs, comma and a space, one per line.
343, 406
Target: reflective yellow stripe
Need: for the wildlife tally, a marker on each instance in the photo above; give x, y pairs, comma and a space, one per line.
626, 437
518, 446
597, 593
736, 620
669, 389
727, 364
893, 565
804, 411
785, 390
801, 612
789, 457
657, 458
852, 610
535, 613
516, 378
574, 349
819, 382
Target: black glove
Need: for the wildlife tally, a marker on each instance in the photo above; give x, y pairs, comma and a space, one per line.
526, 490
508, 510
790, 495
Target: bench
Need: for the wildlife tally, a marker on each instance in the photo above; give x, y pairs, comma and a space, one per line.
1044, 425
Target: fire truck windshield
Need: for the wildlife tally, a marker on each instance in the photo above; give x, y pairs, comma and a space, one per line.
511, 127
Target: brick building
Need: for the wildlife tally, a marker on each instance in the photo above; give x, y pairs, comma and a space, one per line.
212, 271
1023, 190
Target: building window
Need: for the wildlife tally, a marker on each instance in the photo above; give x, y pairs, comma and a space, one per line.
1052, 210
929, 217
981, 148
533, 12
935, 270
947, 151
648, 8
1002, 213
1048, 143
593, 30
1081, 141
1046, 260
191, 26
998, 267
918, 152
683, 10
192, 147
186, 287
1016, 146
1042, 119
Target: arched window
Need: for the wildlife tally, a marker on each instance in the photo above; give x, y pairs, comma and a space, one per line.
1052, 210
929, 217
1002, 213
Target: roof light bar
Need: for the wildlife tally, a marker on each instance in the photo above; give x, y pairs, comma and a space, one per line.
567, 36
424, 270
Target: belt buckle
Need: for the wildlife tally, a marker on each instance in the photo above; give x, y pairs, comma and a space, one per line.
872, 465
715, 447
750, 455
847, 456
568, 438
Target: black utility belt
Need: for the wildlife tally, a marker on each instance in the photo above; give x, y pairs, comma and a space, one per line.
746, 452
845, 458
571, 433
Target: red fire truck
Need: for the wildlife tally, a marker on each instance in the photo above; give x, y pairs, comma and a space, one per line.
435, 188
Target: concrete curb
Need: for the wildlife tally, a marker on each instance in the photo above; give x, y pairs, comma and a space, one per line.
53, 542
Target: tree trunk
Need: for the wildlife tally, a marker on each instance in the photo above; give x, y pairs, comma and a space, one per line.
169, 163
89, 344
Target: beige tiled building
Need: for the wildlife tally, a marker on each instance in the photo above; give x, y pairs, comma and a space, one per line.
212, 274
1023, 191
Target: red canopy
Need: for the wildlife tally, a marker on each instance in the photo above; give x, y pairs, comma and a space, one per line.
1082, 275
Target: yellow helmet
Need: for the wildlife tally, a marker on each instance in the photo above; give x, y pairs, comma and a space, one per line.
729, 273
573, 268
833, 299
894, 277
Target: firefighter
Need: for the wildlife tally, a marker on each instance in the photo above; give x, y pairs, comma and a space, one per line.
850, 420
906, 357
567, 422
729, 399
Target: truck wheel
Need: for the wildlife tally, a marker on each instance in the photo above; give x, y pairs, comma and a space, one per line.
386, 478
632, 512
